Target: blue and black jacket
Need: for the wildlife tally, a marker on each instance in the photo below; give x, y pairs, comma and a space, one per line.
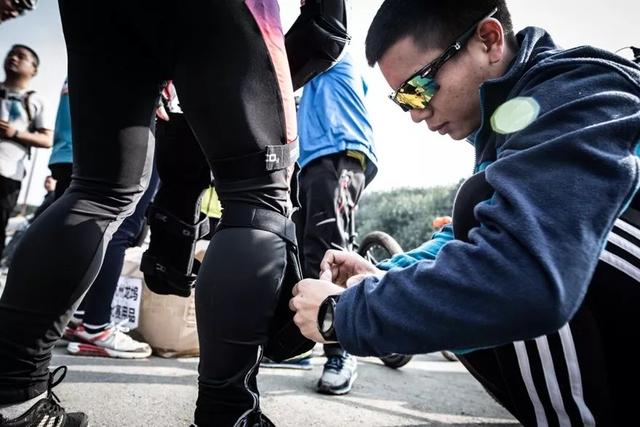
557, 184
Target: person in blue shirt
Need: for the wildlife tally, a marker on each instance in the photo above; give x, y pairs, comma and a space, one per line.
61, 158
337, 160
535, 283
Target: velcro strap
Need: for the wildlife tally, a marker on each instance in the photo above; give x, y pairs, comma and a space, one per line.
273, 158
262, 219
153, 266
174, 225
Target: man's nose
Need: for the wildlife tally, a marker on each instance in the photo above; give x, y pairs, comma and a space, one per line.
420, 115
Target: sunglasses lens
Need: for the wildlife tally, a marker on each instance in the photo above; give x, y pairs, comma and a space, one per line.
416, 93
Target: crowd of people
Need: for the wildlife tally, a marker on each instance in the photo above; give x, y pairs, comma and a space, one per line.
532, 281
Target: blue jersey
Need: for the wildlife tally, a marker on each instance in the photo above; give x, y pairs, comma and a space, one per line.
62, 151
332, 116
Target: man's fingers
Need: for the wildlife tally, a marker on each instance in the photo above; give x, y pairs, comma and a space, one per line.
354, 280
330, 258
296, 319
295, 289
326, 275
161, 113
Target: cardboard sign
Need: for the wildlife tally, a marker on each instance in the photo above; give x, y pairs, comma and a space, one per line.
125, 306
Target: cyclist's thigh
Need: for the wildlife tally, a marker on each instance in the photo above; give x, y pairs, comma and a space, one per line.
114, 80
233, 81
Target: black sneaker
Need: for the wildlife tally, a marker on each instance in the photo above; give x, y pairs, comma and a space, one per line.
47, 411
255, 419
302, 361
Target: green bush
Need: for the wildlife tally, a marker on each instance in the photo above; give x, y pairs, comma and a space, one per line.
405, 213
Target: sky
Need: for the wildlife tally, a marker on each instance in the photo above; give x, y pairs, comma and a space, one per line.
409, 155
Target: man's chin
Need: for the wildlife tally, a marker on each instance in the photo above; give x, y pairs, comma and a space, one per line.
460, 134
457, 136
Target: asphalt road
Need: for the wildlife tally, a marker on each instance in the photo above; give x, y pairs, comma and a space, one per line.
429, 391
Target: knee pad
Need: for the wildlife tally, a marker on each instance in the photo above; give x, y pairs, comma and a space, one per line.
169, 265
284, 340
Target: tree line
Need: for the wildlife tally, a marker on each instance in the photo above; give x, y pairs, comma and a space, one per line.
405, 213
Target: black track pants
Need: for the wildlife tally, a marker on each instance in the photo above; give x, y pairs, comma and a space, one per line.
578, 375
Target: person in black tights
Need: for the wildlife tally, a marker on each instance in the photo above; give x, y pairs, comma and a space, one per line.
228, 63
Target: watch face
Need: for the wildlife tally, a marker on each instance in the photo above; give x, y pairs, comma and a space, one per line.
326, 315
327, 322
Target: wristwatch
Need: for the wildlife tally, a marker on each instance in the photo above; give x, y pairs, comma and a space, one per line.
326, 318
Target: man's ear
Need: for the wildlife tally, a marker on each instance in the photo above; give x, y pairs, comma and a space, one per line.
491, 35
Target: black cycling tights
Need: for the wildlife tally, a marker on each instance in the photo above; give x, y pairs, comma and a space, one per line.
227, 60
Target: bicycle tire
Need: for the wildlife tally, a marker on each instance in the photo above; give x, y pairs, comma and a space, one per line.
380, 239
450, 356
395, 361
389, 244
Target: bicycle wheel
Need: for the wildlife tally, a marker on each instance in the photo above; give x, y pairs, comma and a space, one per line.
375, 247
451, 357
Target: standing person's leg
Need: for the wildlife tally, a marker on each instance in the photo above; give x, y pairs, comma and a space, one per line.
325, 212
243, 122
175, 220
61, 172
97, 336
321, 208
111, 107
9, 191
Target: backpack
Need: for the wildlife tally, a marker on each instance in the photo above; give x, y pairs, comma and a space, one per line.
26, 104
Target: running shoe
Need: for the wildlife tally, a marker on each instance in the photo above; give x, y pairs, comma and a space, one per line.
112, 342
67, 333
47, 411
338, 375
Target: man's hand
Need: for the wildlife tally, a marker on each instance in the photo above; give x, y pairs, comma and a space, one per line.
308, 294
161, 113
6, 130
7, 10
343, 265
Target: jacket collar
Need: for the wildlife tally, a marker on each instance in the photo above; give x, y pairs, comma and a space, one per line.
532, 41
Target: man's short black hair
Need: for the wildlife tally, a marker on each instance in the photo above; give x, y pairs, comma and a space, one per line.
431, 23
36, 58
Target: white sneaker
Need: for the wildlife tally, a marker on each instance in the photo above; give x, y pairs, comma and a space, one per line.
112, 342
339, 373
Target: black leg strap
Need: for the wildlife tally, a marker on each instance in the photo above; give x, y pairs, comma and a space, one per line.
173, 282
261, 219
273, 158
172, 224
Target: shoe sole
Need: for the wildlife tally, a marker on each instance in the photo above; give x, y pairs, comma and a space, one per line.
82, 349
62, 342
337, 392
283, 365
